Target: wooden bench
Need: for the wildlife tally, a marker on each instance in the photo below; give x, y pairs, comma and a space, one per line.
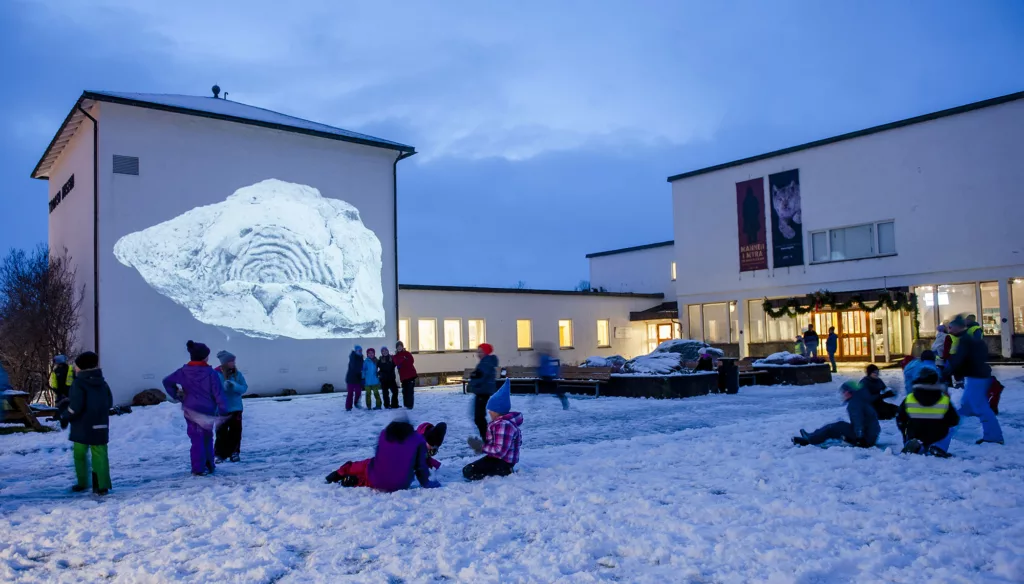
584, 377
517, 377
16, 409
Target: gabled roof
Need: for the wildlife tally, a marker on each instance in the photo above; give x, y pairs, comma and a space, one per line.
629, 249
206, 107
849, 136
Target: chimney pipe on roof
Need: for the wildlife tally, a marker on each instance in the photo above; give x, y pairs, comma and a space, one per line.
216, 91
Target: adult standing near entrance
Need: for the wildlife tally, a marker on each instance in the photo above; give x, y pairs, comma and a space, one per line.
831, 346
970, 362
482, 385
811, 341
405, 363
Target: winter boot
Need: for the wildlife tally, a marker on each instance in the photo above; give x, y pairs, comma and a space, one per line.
983, 441
913, 446
799, 441
938, 452
334, 477
235, 457
218, 460
350, 481
76, 488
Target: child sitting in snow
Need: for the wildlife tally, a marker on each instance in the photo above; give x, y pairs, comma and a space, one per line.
862, 430
926, 417
434, 435
401, 454
501, 448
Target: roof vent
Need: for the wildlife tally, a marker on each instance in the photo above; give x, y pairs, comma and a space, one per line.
216, 91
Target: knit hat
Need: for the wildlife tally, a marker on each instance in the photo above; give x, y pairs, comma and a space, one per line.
224, 357
370, 352
943, 329
384, 351
357, 349
434, 435
87, 360
197, 351
927, 355
501, 401
486, 348
850, 386
958, 321
60, 359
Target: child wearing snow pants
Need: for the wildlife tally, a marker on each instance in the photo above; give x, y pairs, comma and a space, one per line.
88, 412
354, 378
371, 382
199, 389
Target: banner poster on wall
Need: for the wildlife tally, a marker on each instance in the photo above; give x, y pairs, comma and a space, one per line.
787, 223
752, 230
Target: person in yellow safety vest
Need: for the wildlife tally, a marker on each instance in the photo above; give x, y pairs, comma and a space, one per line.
926, 418
973, 330
61, 377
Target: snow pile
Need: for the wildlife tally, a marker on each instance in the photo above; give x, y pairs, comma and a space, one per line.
688, 349
725, 498
783, 358
274, 259
616, 362
656, 364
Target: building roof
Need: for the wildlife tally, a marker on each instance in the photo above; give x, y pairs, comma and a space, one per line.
629, 249
849, 136
483, 290
206, 107
665, 310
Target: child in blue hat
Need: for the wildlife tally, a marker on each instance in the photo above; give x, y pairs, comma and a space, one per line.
501, 446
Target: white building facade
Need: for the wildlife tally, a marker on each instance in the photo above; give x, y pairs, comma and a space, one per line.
289, 295
931, 206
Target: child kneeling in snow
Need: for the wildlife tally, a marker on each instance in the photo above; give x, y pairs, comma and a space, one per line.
401, 454
501, 449
926, 418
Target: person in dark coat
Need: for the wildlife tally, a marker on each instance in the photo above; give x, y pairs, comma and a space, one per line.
354, 378
88, 412
388, 378
401, 454
879, 393
548, 368
863, 428
201, 392
831, 346
970, 362
482, 385
406, 365
811, 341
926, 417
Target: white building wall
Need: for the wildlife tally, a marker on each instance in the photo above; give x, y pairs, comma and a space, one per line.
954, 187
643, 271
70, 223
500, 311
188, 161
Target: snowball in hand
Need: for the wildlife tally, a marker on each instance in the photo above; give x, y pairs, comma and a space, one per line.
274, 259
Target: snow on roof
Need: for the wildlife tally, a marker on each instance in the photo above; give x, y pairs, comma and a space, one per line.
210, 107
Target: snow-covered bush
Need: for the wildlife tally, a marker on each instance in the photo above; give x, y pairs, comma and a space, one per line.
688, 349
665, 363
787, 358
615, 362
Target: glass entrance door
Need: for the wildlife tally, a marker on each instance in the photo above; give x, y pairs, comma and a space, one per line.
854, 335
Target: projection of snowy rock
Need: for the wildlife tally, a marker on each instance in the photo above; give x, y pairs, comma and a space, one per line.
274, 259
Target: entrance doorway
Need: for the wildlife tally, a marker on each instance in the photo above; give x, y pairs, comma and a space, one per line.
853, 331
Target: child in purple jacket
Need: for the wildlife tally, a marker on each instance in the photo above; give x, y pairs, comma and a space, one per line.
199, 389
402, 453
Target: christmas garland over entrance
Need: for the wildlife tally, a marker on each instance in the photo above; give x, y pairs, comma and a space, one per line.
825, 300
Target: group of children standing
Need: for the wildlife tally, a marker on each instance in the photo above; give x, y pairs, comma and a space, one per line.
373, 374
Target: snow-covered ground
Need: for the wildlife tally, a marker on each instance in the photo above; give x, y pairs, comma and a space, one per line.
704, 489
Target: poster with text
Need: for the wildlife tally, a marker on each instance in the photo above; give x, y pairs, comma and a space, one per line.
787, 222
752, 232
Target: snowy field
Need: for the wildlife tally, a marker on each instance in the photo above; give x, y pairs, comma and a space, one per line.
705, 489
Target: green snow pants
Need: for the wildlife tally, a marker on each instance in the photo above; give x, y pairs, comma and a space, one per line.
100, 466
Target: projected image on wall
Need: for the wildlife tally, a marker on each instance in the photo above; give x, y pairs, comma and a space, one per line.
275, 259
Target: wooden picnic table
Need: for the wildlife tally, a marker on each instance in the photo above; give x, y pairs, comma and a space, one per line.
16, 409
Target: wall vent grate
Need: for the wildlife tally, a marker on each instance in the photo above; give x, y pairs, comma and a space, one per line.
126, 165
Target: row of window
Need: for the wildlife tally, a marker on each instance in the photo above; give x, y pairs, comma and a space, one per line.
427, 341
855, 242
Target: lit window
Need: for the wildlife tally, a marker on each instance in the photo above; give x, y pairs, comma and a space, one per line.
1017, 304
565, 334
403, 332
477, 336
694, 320
453, 335
957, 299
990, 319
524, 334
427, 329
755, 313
673, 271
603, 339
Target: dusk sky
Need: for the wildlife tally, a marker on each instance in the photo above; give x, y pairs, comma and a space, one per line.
545, 130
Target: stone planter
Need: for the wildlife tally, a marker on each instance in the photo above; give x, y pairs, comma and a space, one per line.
664, 387
796, 374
